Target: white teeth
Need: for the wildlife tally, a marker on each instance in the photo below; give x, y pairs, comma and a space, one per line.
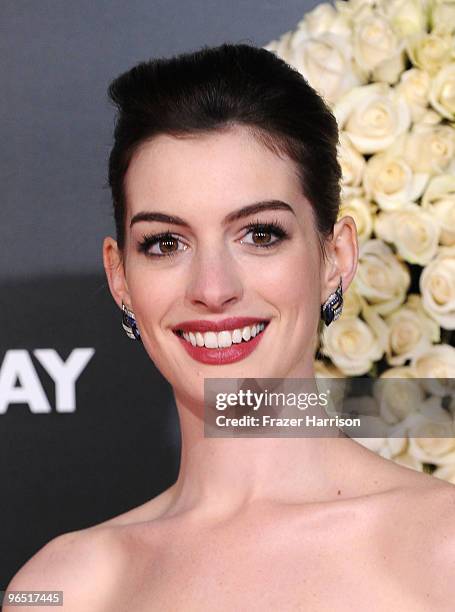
210, 340
236, 336
225, 338
246, 333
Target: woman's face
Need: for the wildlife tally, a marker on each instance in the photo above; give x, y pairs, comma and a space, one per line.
215, 267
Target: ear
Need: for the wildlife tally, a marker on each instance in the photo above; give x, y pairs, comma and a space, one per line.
114, 268
342, 257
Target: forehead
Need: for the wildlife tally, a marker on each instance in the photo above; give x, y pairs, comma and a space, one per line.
222, 170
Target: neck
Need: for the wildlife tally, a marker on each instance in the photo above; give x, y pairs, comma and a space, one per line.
221, 475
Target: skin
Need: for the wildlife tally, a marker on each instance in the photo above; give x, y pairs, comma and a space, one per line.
251, 523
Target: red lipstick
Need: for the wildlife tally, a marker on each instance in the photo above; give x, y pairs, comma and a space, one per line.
217, 326
220, 356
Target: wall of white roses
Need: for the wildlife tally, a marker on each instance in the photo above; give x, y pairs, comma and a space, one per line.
387, 70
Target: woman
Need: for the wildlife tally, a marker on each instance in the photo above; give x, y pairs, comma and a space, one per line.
225, 185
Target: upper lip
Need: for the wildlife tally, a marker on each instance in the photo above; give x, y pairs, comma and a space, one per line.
217, 326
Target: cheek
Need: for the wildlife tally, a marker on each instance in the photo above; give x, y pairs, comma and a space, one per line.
297, 290
150, 298
294, 278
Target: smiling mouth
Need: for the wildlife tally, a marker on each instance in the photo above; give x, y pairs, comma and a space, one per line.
223, 339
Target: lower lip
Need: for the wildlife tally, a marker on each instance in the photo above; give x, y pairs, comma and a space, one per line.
220, 356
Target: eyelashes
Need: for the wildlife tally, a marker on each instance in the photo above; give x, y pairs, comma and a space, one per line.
149, 240
167, 239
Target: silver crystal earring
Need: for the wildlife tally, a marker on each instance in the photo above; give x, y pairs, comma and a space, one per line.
332, 307
129, 323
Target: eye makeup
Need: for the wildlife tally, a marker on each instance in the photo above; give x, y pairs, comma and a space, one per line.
167, 238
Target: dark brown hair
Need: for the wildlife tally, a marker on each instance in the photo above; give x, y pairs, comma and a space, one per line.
216, 87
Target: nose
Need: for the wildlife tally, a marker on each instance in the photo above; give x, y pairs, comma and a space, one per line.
215, 282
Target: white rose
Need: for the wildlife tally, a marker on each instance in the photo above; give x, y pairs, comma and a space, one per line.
397, 445
331, 381
386, 446
390, 181
409, 461
362, 211
352, 345
407, 17
437, 287
414, 85
411, 331
399, 372
435, 366
412, 230
429, 148
373, 116
381, 277
325, 62
430, 50
372, 433
377, 50
352, 301
352, 166
376, 445
439, 199
397, 397
326, 370
377, 324
354, 9
445, 472
432, 408
364, 405
430, 117
442, 16
324, 18
431, 441
442, 91
281, 46
345, 406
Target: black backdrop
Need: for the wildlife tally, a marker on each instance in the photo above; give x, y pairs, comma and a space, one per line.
62, 471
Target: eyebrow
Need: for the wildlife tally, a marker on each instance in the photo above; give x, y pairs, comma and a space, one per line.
233, 216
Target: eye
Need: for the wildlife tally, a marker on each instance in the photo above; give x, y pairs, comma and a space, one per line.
264, 232
165, 244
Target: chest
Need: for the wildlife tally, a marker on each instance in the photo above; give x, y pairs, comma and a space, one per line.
286, 571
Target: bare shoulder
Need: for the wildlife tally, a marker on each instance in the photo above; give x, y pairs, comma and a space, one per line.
422, 505
440, 521
412, 535
86, 564
421, 543
437, 567
83, 564
431, 506
151, 510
